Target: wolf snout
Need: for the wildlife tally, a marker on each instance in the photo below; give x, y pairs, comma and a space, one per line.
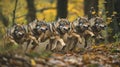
43, 29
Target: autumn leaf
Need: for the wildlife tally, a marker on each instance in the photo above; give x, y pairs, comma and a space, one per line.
33, 63
93, 12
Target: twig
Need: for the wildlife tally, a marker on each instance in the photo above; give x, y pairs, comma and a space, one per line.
40, 10
14, 11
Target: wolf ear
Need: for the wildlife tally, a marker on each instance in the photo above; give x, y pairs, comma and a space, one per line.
96, 18
36, 20
86, 17
78, 18
59, 19
66, 17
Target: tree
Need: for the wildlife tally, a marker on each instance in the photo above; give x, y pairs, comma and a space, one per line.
4, 20
87, 7
31, 11
112, 6
109, 7
14, 12
117, 9
62, 11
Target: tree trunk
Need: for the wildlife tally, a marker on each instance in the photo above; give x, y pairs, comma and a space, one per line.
31, 11
109, 7
112, 6
14, 12
117, 9
3, 18
62, 6
87, 7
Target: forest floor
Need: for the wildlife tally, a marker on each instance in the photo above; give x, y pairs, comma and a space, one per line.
95, 56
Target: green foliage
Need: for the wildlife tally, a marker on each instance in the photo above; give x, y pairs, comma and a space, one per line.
8, 49
41, 54
117, 38
45, 54
33, 54
93, 65
115, 50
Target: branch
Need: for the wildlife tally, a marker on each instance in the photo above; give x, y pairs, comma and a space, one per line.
40, 10
47, 8
14, 11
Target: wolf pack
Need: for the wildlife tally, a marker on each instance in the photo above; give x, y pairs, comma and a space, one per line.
62, 35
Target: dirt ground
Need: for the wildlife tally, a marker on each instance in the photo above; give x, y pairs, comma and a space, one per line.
94, 56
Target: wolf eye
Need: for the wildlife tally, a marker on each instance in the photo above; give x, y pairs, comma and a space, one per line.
96, 24
16, 31
38, 27
67, 23
16, 28
81, 24
61, 24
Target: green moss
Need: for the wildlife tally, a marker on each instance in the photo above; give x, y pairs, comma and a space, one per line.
93, 65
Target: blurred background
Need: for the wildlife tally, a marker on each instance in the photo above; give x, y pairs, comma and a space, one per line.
25, 11
106, 54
